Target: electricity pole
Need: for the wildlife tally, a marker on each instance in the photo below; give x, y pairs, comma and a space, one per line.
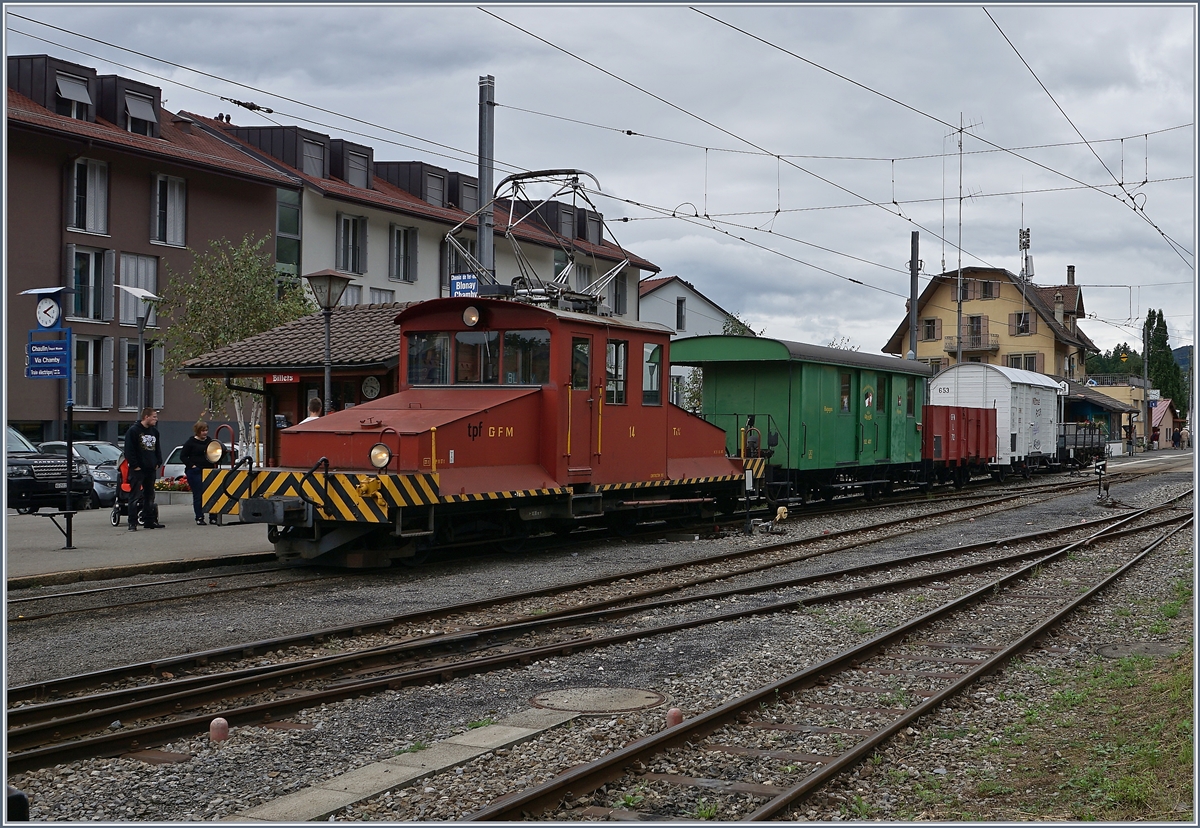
487, 141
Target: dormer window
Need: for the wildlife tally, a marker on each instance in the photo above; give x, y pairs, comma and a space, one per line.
435, 189
593, 229
314, 159
566, 223
72, 99
356, 170
140, 110
469, 197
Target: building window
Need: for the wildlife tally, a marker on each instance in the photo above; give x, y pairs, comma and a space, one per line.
681, 314
616, 358
566, 223
314, 159
379, 296
72, 99
560, 263
435, 189
140, 110
287, 232
91, 368
402, 258
469, 195
583, 277
152, 374
651, 374
931, 330
351, 243
91, 280
352, 295
989, 290
170, 197
619, 292
89, 196
141, 272
964, 290
457, 263
357, 170
1020, 324
1026, 362
593, 228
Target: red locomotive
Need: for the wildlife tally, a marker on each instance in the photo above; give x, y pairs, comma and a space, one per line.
511, 420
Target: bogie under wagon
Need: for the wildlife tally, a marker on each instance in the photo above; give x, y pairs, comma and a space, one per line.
511, 420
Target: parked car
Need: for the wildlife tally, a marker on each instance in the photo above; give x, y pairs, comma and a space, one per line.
37, 480
172, 469
102, 459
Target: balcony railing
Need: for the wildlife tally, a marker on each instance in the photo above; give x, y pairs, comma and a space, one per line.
1118, 380
973, 342
87, 391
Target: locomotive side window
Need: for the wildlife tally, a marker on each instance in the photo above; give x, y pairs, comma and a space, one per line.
526, 357
477, 357
429, 358
652, 375
615, 361
581, 361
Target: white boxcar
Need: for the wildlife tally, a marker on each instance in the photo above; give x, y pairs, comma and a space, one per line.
1026, 406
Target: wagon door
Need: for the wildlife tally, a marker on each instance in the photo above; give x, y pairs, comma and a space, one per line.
581, 407
867, 424
881, 430
847, 439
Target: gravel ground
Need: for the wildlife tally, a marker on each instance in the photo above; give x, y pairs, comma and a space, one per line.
258, 764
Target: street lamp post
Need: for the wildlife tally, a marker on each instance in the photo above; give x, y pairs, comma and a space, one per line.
327, 287
143, 315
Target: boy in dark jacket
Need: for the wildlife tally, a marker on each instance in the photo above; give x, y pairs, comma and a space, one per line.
143, 450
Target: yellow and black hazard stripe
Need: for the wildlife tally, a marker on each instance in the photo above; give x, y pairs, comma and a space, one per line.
486, 496
756, 464
360, 498
657, 484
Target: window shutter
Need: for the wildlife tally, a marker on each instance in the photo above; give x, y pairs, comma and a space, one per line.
338, 258
995, 290
362, 241
147, 265
122, 370
155, 206
68, 190
937, 329
156, 375
411, 235
395, 268
983, 326
107, 286
944, 363
1041, 363
1012, 324
68, 269
444, 267
97, 203
106, 372
1033, 320
176, 206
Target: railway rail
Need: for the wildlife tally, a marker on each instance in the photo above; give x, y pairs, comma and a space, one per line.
418, 660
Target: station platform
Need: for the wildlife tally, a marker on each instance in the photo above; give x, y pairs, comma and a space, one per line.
34, 553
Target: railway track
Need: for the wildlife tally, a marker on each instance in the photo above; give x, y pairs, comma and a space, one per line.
295, 685
759, 756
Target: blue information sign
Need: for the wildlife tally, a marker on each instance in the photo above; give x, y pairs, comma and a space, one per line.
464, 284
48, 360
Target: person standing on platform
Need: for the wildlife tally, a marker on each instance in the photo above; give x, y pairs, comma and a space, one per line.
143, 450
314, 409
195, 461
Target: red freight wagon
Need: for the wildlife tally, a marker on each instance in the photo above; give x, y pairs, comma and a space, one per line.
511, 419
957, 441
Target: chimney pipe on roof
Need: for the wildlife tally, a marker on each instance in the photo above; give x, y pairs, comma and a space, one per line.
1058, 307
1070, 274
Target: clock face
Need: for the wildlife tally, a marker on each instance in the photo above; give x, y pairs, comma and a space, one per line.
370, 388
47, 312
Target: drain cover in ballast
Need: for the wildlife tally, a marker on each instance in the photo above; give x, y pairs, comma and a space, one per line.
598, 699
1143, 648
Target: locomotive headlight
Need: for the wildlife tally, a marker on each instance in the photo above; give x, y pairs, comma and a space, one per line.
471, 316
213, 451
381, 455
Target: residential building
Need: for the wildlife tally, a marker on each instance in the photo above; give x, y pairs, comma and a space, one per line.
674, 302
106, 188
384, 223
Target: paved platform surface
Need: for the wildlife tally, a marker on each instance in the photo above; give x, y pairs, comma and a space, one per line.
33, 545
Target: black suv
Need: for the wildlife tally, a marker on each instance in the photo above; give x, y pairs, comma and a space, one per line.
36, 480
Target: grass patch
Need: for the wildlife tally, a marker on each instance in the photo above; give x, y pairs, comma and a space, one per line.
480, 723
413, 748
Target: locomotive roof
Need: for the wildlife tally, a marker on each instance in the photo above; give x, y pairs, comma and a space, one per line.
419, 309
698, 350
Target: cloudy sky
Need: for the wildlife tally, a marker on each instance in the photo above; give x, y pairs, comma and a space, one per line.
781, 156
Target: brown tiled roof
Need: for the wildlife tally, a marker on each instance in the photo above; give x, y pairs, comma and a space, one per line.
197, 149
1072, 297
387, 196
360, 336
1080, 391
647, 285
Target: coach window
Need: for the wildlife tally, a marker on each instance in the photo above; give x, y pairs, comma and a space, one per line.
428, 358
881, 395
581, 360
526, 357
652, 375
912, 397
616, 358
845, 393
477, 357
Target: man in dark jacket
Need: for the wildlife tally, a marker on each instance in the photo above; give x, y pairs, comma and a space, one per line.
143, 450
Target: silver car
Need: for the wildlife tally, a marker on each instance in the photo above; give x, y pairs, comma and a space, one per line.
102, 459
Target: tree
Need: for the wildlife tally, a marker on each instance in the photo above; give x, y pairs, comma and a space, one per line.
230, 293
1164, 370
1122, 360
692, 391
842, 343
734, 325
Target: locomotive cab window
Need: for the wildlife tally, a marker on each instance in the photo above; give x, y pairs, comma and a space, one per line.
581, 358
477, 357
652, 375
615, 360
526, 357
429, 358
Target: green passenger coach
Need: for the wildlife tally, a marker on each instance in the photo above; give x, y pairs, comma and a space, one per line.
827, 419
